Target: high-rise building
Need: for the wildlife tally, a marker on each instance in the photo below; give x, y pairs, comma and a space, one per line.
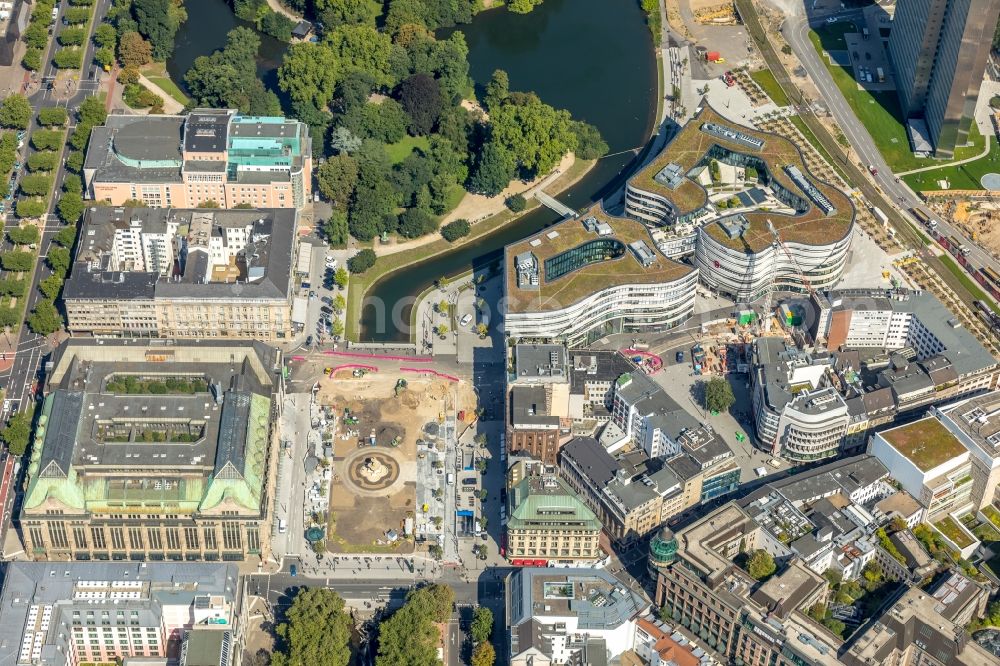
938, 50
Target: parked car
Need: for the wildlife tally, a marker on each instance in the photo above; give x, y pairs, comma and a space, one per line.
832, 19
309, 341
465, 320
679, 357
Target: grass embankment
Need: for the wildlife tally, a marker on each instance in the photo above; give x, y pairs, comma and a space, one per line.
961, 177
878, 111
360, 284
970, 285
765, 79
156, 72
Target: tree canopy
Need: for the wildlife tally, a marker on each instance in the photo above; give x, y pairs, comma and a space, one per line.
228, 78
15, 112
718, 395
158, 21
409, 635
761, 564
317, 630
17, 433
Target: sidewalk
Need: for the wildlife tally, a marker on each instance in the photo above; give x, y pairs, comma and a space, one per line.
170, 105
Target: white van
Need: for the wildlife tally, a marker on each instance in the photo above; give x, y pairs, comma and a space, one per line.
282, 526
55, 14
451, 478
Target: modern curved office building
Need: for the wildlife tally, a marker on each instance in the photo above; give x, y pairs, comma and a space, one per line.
586, 278
744, 203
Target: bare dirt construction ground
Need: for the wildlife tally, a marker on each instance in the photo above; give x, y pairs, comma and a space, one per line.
979, 219
361, 511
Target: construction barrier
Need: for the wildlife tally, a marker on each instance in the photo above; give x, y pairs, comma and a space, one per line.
380, 357
428, 371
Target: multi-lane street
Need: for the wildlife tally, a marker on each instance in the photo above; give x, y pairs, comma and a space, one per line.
18, 380
796, 31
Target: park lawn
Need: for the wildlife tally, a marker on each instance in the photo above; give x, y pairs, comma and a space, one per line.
170, 88
400, 150
765, 79
879, 112
966, 176
454, 197
970, 285
832, 34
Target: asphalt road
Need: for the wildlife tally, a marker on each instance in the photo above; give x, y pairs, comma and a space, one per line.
796, 30
32, 349
874, 193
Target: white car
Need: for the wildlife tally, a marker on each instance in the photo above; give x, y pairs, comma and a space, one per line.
832, 19
465, 320
760, 471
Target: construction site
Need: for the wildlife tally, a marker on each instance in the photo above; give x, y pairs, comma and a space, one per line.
377, 426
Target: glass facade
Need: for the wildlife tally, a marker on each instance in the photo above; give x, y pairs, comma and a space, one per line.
590, 252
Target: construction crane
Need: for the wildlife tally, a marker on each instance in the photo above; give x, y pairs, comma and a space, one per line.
779, 243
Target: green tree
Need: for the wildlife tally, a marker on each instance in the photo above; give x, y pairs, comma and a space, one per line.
761, 564
423, 102
92, 111
276, 25
337, 327
339, 303
494, 171
416, 222
105, 56
65, 237
158, 21
72, 183
334, 13
718, 395
455, 230
36, 185
43, 160
47, 139
410, 636
15, 112
336, 179
308, 73
335, 229
23, 235
52, 115
362, 261
522, 6
70, 207
365, 49
482, 624
535, 134
497, 90
341, 277
228, 77
30, 208
589, 143
58, 259
68, 58
134, 51
105, 36
517, 203
17, 433
44, 319
71, 36
50, 286
483, 654
317, 630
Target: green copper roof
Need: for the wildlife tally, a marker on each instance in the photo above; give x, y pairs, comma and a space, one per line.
244, 486
548, 502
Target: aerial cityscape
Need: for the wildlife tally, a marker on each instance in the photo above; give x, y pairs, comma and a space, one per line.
500, 332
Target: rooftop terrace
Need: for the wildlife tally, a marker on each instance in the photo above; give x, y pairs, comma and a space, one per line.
624, 267
690, 148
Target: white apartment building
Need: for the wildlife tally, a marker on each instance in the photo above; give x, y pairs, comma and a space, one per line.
645, 415
797, 414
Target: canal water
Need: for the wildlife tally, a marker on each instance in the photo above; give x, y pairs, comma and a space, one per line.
592, 57
208, 23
